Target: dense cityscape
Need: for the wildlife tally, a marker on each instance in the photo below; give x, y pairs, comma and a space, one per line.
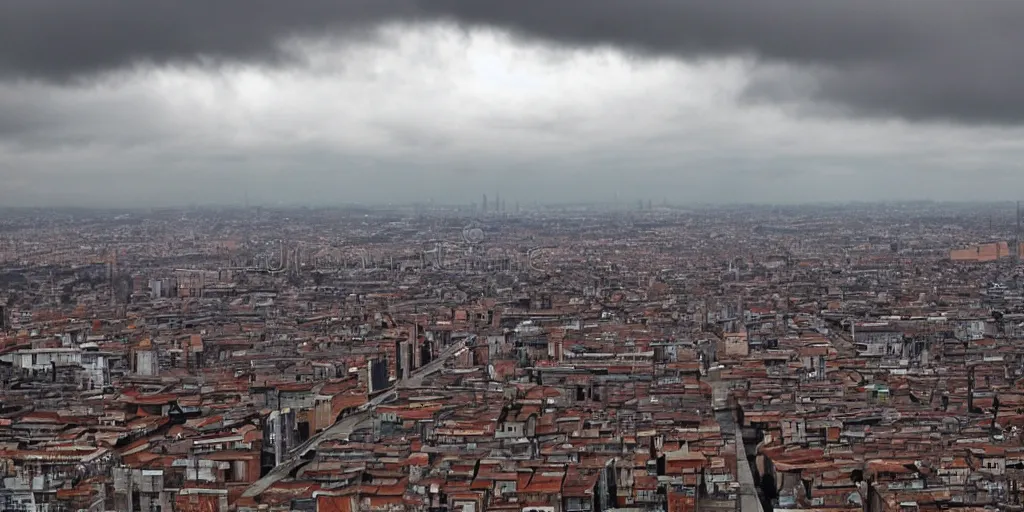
496, 357
498, 256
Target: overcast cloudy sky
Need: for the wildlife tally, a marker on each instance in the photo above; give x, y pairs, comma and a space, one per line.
163, 102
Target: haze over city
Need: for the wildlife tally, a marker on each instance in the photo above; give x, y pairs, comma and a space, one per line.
322, 103
511, 256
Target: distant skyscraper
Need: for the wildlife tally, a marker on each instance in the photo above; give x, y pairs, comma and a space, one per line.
1016, 236
485, 203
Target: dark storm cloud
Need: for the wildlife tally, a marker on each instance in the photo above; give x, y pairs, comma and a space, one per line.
62, 39
917, 59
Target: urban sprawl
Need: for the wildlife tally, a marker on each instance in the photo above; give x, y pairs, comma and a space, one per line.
649, 357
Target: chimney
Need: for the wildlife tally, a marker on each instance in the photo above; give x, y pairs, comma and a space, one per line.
970, 389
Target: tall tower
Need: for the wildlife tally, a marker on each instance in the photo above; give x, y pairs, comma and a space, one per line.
485, 203
1016, 235
111, 275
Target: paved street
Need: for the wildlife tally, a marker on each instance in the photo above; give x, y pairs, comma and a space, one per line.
344, 428
748, 500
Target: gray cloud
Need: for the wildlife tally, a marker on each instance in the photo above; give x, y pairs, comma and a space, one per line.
935, 59
426, 112
65, 39
108, 102
920, 60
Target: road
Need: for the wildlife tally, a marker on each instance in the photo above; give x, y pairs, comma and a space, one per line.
748, 499
416, 379
342, 429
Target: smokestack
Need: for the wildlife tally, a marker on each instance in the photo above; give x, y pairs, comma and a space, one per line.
970, 389
278, 439
1016, 235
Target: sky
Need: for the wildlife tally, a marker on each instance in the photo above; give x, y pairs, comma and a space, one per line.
319, 102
